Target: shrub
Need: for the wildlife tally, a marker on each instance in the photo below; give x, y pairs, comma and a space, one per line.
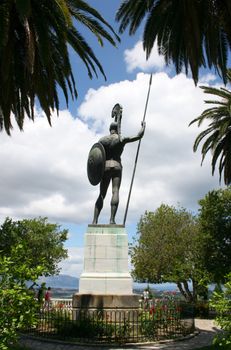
18, 306
201, 309
221, 301
163, 313
86, 326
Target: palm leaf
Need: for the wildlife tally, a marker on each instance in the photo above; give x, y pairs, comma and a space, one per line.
222, 92
75, 6
132, 12
34, 57
209, 144
5, 9
219, 141
84, 51
200, 137
216, 154
191, 34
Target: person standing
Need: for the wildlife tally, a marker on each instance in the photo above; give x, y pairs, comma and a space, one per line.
48, 298
41, 294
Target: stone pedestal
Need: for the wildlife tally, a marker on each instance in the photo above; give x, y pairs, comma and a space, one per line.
106, 282
105, 269
105, 302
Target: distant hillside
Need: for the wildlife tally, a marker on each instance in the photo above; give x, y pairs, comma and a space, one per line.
60, 281
69, 282
65, 286
158, 286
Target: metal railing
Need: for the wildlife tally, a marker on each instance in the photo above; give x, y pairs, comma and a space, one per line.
119, 326
59, 303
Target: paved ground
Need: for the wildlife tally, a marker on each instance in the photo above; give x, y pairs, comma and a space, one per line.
206, 332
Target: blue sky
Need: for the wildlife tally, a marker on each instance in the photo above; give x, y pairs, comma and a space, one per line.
43, 169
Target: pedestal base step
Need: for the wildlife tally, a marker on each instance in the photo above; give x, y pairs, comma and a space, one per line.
111, 302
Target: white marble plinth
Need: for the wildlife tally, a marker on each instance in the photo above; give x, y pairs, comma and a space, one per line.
105, 269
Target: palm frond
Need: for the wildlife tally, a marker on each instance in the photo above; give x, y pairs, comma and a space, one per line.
132, 12
218, 133
221, 92
216, 154
75, 6
200, 137
191, 34
34, 57
208, 145
84, 51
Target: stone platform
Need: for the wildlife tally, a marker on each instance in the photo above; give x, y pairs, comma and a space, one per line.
105, 283
105, 269
105, 302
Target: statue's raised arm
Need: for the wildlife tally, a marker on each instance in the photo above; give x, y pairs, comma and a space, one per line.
137, 137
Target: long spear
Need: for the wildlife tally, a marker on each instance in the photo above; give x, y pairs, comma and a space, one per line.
137, 153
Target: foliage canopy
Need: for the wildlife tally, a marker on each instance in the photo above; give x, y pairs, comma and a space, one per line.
191, 34
42, 241
34, 60
18, 305
172, 245
215, 225
221, 301
218, 134
168, 249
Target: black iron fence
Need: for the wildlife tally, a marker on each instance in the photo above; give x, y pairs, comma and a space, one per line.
160, 322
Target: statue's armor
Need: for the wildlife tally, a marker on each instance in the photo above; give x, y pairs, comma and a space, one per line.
113, 150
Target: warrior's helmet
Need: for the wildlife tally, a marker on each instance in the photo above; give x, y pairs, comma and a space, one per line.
116, 111
114, 126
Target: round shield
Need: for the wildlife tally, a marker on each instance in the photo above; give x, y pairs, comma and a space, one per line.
96, 163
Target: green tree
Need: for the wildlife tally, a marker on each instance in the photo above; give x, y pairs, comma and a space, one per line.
18, 306
42, 240
218, 133
221, 301
34, 58
189, 33
215, 222
167, 248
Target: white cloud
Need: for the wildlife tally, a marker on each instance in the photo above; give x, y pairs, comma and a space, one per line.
208, 78
136, 58
43, 169
73, 266
168, 171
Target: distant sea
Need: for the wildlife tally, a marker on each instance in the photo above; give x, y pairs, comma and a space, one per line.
138, 288
64, 286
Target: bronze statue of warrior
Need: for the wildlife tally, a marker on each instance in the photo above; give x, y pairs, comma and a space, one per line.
104, 163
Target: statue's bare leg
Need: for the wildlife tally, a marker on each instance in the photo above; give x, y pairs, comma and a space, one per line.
116, 180
102, 194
